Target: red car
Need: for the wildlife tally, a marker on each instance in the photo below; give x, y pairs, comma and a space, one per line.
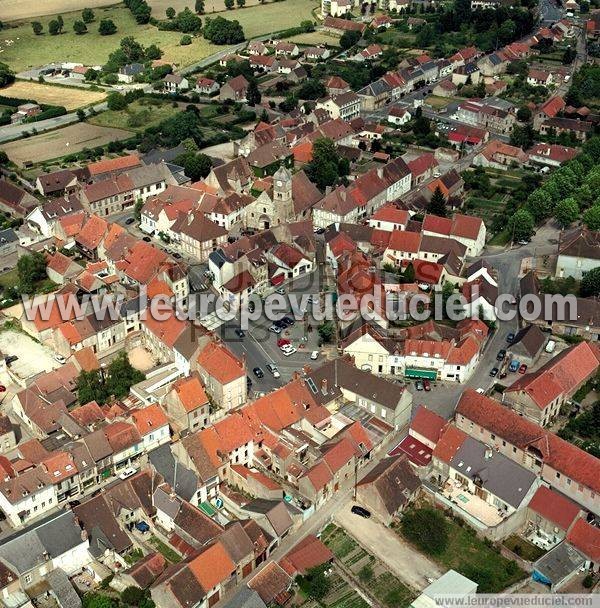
427, 385
282, 342
2, 388
523, 369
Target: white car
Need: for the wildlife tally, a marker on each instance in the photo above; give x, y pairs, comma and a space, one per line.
287, 347
273, 369
550, 346
288, 352
314, 355
128, 472
275, 329
59, 358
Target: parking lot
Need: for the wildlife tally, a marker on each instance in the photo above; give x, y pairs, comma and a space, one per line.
33, 358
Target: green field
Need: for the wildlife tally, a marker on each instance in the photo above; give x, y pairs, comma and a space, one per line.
315, 38
138, 116
28, 50
468, 554
523, 548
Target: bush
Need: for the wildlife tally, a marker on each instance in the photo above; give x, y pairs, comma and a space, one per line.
588, 581
107, 27
185, 40
427, 529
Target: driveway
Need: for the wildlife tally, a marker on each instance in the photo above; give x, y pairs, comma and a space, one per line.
411, 567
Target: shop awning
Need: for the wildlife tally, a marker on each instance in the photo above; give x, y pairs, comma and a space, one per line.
426, 374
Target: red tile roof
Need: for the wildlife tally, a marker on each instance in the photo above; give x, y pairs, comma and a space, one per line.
422, 163
319, 475
391, 213
92, 232
167, 330
557, 453
149, 418
220, 363
212, 567
114, 164
466, 226
401, 240
553, 106
339, 455
438, 225
561, 376
585, 538
449, 443
190, 392
428, 424
308, 553
554, 507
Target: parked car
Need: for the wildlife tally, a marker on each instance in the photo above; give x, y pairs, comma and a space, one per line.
287, 346
494, 372
360, 511
510, 338
514, 365
550, 346
427, 385
2, 388
128, 472
289, 351
10, 359
240, 333
314, 355
147, 239
523, 368
501, 354
258, 372
59, 358
280, 291
289, 321
419, 385
129, 221
273, 369
282, 342
275, 329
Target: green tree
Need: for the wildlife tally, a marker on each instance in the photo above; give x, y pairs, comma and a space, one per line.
540, 204
116, 101
185, 40
132, 50
566, 211
107, 27
521, 225
326, 331
253, 95
80, 115
229, 4
425, 36
324, 169
591, 218
590, 283
223, 31
240, 3
521, 136
524, 114
122, 375
170, 12
37, 27
79, 27
7, 76
152, 52
133, 596
87, 14
506, 32
90, 388
317, 583
188, 22
349, 39
199, 7
365, 574
195, 166
61, 23
31, 268
97, 600
437, 204
54, 27
427, 529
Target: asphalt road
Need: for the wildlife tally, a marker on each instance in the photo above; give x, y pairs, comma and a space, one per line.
259, 345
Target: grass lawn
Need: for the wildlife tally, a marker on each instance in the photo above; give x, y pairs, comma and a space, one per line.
166, 551
28, 50
523, 548
500, 239
71, 98
437, 102
136, 117
396, 37
466, 553
9, 279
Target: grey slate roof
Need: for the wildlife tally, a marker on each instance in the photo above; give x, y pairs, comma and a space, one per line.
245, 598
183, 480
8, 236
497, 474
66, 596
46, 539
559, 562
